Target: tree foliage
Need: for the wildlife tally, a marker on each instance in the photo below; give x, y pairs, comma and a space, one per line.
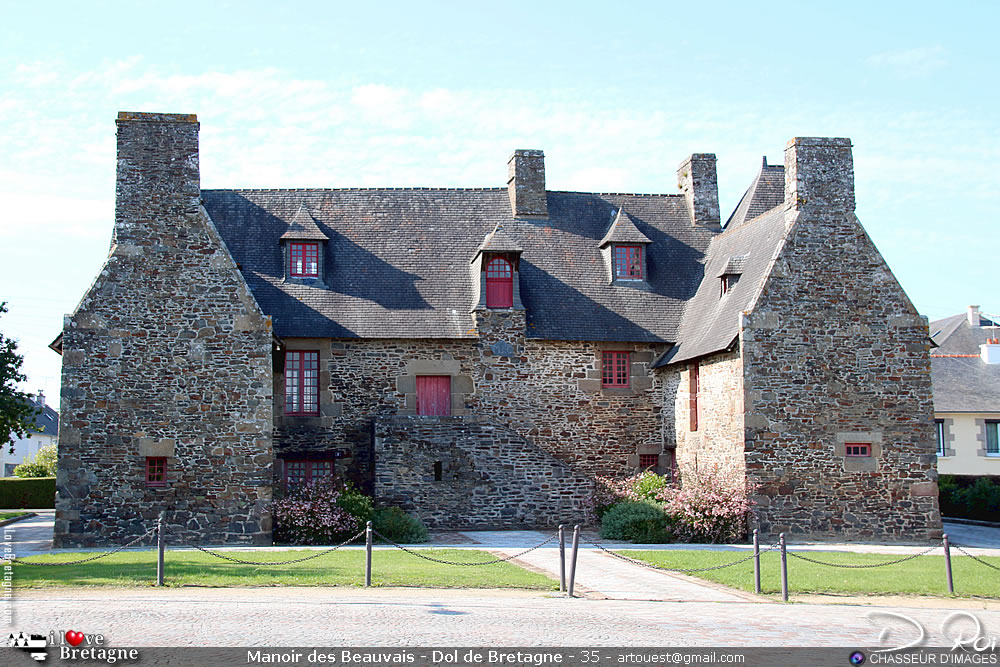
17, 411
42, 464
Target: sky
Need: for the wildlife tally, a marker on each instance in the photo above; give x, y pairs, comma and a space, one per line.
399, 94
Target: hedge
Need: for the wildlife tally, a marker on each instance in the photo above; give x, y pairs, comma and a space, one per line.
27, 493
970, 497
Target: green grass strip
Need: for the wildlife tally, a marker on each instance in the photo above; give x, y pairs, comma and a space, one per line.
340, 568
10, 515
923, 575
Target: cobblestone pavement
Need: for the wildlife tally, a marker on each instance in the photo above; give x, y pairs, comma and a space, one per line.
421, 617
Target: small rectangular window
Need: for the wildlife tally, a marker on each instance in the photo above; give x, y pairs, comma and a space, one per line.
858, 449
614, 369
992, 438
304, 260
729, 281
156, 471
648, 461
298, 471
939, 428
628, 262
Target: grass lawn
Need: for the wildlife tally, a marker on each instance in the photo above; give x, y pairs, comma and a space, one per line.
340, 568
10, 515
920, 576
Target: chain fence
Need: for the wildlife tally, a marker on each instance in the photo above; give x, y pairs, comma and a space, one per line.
975, 558
633, 561
505, 559
151, 531
324, 552
865, 565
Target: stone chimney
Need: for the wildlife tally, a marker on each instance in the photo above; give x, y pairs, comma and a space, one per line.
697, 179
819, 171
158, 175
973, 315
526, 184
40, 399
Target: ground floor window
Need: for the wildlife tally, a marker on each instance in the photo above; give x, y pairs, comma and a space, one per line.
156, 471
939, 429
299, 471
993, 438
649, 461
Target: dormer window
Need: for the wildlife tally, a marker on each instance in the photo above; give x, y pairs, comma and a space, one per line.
304, 260
499, 283
729, 281
628, 262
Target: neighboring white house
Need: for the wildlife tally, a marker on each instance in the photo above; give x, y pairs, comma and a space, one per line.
965, 370
44, 432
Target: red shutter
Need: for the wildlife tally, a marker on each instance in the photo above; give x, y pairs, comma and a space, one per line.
434, 395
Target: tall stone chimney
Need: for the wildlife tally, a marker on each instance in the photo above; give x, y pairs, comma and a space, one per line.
973, 315
697, 179
158, 174
819, 171
526, 184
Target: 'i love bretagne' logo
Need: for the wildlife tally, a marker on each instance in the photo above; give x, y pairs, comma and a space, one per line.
74, 638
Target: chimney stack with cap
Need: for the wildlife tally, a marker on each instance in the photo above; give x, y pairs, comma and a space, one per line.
973, 315
697, 179
819, 173
526, 184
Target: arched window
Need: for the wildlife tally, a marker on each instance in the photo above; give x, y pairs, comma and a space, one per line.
499, 283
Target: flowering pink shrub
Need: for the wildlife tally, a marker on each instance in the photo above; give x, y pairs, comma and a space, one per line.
709, 508
312, 514
610, 491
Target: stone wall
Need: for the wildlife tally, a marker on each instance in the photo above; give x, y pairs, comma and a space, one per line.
834, 353
464, 472
716, 446
167, 355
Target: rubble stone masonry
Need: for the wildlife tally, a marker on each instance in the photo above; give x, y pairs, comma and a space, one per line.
168, 356
834, 353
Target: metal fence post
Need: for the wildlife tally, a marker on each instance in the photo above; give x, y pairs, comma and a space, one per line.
947, 563
784, 568
572, 561
756, 562
161, 543
562, 559
368, 554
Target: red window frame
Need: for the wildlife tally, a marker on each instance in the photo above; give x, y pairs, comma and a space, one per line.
649, 460
303, 260
156, 471
302, 382
499, 283
858, 449
615, 369
628, 262
694, 387
298, 471
434, 395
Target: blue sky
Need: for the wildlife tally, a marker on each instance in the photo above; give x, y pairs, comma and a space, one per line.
332, 94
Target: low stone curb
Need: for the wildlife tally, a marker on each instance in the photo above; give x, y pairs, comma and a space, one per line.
15, 519
972, 522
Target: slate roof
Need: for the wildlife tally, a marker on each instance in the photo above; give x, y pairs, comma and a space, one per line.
711, 319
303, 227
397, 261
963, 383
500, 241
766, 192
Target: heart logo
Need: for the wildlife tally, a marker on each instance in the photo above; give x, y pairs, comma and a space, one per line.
74, 638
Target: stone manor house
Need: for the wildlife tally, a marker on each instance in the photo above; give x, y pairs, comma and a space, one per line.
477, 356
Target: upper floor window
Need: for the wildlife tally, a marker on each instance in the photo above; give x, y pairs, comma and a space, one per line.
628, 262
499, 283
694, 388
301, 383
304, 260
992, 438
729, 281
614, 369
858, 449
939, 429
434, 395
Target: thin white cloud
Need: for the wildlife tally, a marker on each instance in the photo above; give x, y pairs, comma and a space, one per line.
911, 62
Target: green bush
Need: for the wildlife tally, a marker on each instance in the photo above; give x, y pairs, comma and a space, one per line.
355, 503
969, 497
29, 493
42, 464
398, 526
641, 522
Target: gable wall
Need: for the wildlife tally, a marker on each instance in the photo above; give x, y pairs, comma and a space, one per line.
167, 356
834, 353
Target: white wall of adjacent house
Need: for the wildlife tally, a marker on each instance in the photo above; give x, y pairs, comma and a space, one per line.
23, 448
965, 443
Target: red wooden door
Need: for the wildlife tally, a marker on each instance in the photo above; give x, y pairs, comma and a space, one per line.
434, 395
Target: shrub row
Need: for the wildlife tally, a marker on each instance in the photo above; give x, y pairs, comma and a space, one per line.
28, 493
970, 497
